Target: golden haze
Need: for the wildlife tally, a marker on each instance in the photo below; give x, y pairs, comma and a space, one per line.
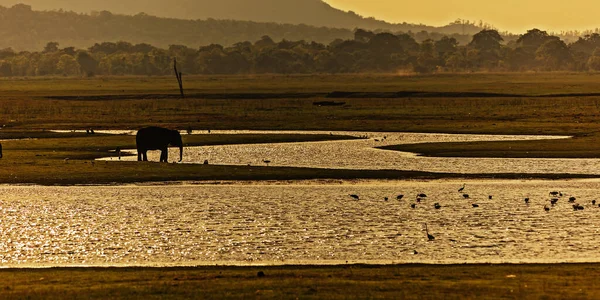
515, 16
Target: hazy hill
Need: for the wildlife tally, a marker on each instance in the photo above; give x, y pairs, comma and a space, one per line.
310, 12
25, 29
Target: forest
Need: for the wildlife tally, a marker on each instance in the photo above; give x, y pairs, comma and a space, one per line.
366, 52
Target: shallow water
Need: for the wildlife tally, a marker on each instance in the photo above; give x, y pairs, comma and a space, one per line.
301, 222
362, 154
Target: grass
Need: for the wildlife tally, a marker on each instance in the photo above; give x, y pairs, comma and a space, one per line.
31, 107
537, 281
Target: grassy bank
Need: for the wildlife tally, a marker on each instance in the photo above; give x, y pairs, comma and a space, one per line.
547, 103
133, 102
557, 281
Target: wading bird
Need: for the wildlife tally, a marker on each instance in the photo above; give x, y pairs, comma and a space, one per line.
466, 196
554, 193
553, 201
526, 200
413, 205
266, 161
593, 202
462, 188
421, 195
399, 197
572, 199
475, 205
429, 236
490, 197
546, 208
355, 196
437, 206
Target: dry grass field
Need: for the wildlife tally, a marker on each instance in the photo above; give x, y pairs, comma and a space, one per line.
546, 103
557, 281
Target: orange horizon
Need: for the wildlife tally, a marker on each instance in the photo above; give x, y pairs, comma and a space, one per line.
515, 16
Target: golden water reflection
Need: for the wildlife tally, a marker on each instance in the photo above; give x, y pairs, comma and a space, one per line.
301, 222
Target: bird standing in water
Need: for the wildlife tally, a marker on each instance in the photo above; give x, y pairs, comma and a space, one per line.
429, 236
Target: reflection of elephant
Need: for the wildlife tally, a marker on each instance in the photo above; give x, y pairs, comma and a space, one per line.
157, 138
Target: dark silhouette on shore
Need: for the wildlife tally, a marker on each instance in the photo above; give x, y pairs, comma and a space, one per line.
157, 138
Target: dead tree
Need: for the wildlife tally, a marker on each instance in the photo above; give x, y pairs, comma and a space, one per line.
179, 80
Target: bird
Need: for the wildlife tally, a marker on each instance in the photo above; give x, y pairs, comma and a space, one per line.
466, 196
355, 196
429, 236
399, 197
546, 208
577, 207
490, 197
385, 198
266, 161
572, 199
415, 252
526, 200
437, 206
413, 205
419, 200
422, 195
475, 205
593, 202
553, 201
554, 193
462, 188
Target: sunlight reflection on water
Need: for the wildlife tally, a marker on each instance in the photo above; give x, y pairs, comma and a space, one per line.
309, 221
362, 154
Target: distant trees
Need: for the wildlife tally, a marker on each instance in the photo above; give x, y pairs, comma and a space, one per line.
367, 52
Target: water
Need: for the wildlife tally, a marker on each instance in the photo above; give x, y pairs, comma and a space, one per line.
309, 221
362, 154
296, 222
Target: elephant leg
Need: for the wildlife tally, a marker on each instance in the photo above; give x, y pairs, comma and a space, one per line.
139, 155
164, 155
145, 156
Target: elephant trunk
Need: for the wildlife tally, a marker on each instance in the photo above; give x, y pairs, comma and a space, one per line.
180, 153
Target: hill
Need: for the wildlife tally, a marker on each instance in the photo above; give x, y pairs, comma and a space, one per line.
309, 12
22, 28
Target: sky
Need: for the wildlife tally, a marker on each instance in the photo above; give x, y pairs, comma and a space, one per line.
516, 16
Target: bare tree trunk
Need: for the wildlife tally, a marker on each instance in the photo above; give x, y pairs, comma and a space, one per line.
179, 80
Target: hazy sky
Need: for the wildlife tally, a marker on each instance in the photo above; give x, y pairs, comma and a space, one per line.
513, 15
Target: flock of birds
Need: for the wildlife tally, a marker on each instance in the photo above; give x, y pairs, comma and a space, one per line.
555, 197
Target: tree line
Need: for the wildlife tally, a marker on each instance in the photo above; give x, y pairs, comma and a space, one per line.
366, 52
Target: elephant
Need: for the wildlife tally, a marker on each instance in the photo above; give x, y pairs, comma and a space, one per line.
157, 138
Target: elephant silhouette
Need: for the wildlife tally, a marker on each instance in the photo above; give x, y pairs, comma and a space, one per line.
157, 138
